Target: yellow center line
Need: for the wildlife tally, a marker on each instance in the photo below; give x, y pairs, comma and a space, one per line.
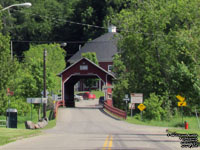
108, 143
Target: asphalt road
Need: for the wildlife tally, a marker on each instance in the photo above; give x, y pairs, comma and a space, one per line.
88, 128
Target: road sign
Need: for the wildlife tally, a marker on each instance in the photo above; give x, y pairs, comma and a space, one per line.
180, 98
182, 104
141, 107
131, 106
47, 93
126, 99
37, 100
137, 98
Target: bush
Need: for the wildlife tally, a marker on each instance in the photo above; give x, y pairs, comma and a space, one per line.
22, 107
153, 110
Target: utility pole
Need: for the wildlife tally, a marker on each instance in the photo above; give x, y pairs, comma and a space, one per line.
44, 81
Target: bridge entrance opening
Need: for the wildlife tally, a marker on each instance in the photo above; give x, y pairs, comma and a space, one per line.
70, 88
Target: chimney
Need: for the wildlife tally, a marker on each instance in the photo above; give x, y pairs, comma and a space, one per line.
112, 29
79, 47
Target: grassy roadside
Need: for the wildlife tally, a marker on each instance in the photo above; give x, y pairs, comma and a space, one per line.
174, 125
8, 135
183, 131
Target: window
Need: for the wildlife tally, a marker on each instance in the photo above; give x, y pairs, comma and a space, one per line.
83, 67
110, 68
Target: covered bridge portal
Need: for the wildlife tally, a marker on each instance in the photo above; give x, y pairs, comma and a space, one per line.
83, 69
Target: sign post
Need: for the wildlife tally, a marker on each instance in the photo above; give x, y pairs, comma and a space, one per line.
36, 101
141, 107
126, 99
131, 107
136, 98
181, 104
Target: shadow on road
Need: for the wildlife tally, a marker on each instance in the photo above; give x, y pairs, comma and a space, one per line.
101, 110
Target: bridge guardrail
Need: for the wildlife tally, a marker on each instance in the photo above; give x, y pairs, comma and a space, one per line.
118, 112
58, 104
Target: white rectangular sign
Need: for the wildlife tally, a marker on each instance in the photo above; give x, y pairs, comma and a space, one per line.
36, 100
136, 98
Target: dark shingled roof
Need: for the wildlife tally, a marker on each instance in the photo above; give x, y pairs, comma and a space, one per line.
104, 46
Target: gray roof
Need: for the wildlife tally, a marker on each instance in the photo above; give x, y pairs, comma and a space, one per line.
104, 46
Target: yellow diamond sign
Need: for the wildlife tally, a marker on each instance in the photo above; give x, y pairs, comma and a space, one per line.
141, 107
182, 104
180, 98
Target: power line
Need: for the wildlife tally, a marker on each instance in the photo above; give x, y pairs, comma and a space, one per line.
49, 42
100, 27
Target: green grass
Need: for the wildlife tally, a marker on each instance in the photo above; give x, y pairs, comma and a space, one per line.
50, 125
183, 131
174, 122
8, 135
174, 125
98, 93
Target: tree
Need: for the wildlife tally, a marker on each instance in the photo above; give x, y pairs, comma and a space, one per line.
59, 20
121, 82
55, 64
159, 45
8, 69
43, 21
91, 56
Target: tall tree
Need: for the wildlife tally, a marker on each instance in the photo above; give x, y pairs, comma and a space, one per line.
7, 69
160, 46
55, 63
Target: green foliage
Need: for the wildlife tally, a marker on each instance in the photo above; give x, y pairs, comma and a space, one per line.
154, 110
26, 78
55, 20
22, 106
160, 49
33, 62
121, 82
39, 21
6, 70
91, 56
96, 13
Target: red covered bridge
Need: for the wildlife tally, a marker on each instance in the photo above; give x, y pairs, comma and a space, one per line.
83, 69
